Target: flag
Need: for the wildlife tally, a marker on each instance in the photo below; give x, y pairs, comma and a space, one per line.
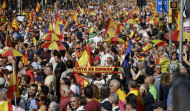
13, 86
8, 41
148, 59
91, 30
15, 24
57, 29
86, 58
132, 34
4, 4
178, 18
118, 16
147, 47
31, 18
43, 12
37, 7
75, 16
80, 9
127, 54
140, 104
25, 59
112, 28
33, 37
50, 29
25, 12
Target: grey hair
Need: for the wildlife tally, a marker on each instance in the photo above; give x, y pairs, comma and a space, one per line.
157, 65
3, 95
116, 83
54, 106
114, 98
76, 96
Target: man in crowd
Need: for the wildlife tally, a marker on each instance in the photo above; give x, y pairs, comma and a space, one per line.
65, 92
31, 102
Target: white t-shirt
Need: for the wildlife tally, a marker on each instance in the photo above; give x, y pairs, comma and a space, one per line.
75, 89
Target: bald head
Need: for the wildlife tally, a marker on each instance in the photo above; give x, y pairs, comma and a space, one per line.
149, 80
107, 50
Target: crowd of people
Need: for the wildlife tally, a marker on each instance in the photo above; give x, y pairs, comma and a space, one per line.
47, 82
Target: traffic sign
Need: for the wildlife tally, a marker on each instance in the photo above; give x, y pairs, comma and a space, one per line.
161, 7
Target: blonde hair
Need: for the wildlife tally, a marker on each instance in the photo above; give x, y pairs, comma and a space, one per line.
141, 65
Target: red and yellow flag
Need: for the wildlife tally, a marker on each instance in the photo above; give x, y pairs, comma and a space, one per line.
25, 59
50, 29
25, 12
33, 38
112, 28
15, 24
80, 9
147, 47
37, 7
4, 4
57, 29
86, 58
13, 88
75, 16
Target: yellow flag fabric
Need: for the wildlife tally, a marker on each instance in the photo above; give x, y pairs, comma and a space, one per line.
163, 61
4, 106
37, 7
111, 28
50, 29
122, 95
80, 9
4, 4
75, 16
57, 29
91, 30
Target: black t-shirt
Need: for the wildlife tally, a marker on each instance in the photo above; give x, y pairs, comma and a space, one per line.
148, 100
61, 67
36, 32
79, 36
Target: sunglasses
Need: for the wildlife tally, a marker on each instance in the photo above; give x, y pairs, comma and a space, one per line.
37, 99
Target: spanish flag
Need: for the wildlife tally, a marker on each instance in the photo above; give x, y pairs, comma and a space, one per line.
50, 29
80, 9
33, 37
112, 28
15, 24
86, 58
25, 12
13, 88
140, 104
37, 7
8, 41
25, 59
4, 4
57, 29
147, 47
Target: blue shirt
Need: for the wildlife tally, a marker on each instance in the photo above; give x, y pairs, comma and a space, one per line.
157, 84
170, 98
31, 103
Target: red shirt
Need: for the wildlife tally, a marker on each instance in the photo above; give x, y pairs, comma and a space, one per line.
93, 106
63, 102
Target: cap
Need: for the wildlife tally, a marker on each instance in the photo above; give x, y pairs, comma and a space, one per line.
97, 58
9, 68
77, 46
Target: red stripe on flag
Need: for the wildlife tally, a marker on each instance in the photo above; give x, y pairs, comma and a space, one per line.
108, 23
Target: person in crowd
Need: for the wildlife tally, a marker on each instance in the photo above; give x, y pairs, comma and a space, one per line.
41, 102
148, 99
65, 92
174, 63
75, 101
150, 81
31, 102
53, 106
131, 102
114, 99
92, 105
70, 66
104, 92
157, 75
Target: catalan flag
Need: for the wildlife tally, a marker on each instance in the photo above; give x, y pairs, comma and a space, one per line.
15, 24
37, 7
75, 16
4, 4
147, 47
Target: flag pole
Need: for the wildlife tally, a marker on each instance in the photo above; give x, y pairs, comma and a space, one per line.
181, 31
6, 36
13, 64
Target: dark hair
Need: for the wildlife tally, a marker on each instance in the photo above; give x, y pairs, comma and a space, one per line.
45, 89
71, 76
131, 99
83, 101
76, 96
88, 91
34, 85
55, 52
69, 64
69, 52
43, 97
51, 67
67, 81
58, 56
105, 91
27, 78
